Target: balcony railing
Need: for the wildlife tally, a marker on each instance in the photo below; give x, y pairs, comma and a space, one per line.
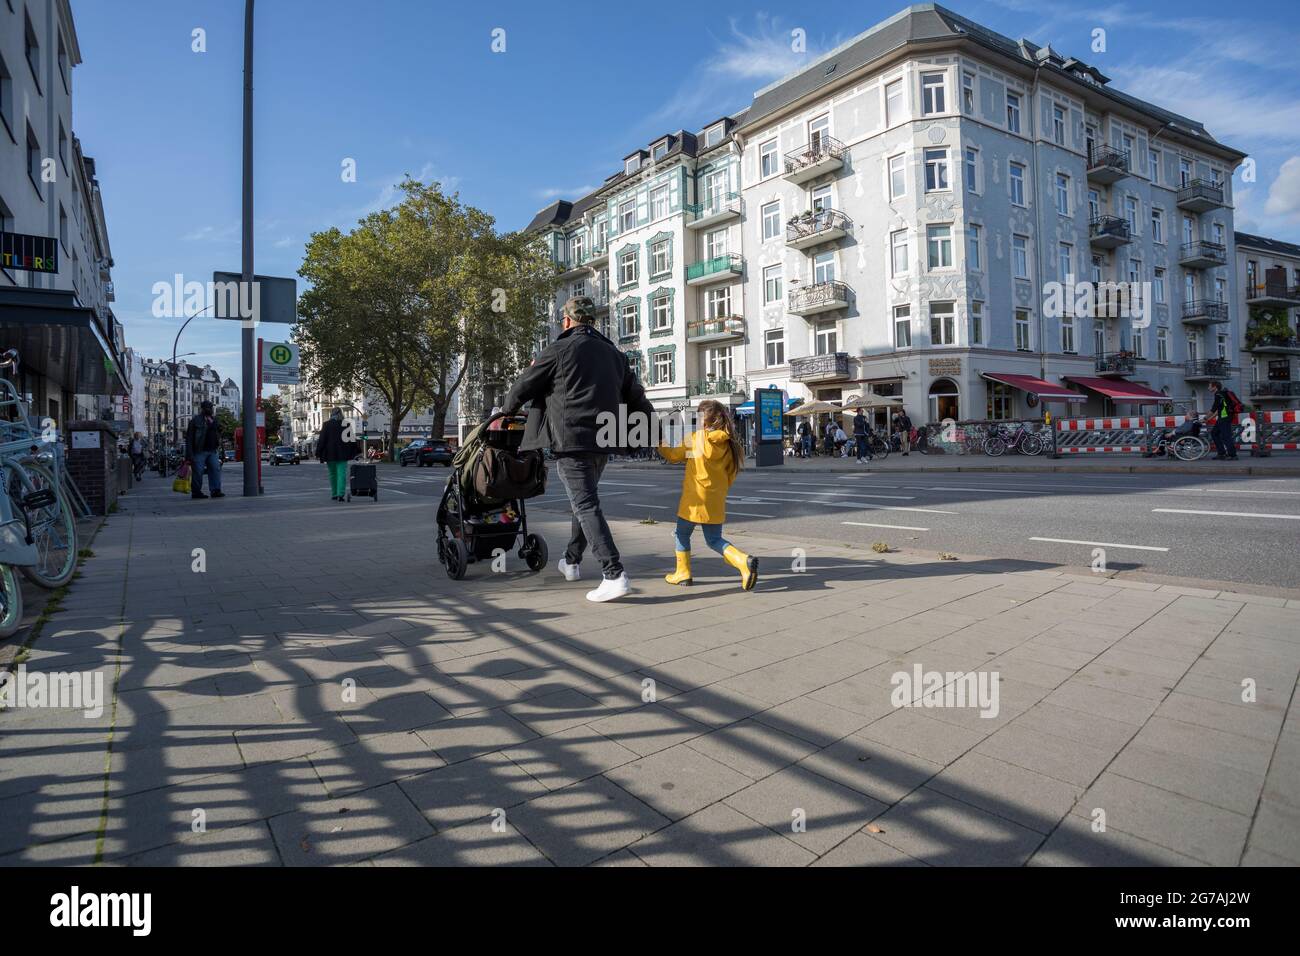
1116, 363
1205, 310
718, 206
821, 155
594, 255
716, 386
1107, 164
1274, 291
1202, 252
820, 368
1207, 368
715, 267
723, 327
1272, 343
1282, 389
820, 225
820, 297
1200, 195
1108, 231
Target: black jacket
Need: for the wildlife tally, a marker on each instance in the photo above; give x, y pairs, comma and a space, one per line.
577, 377
330, 446
200, 436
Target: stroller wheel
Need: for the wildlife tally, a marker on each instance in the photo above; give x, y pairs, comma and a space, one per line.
457, 558
534, 552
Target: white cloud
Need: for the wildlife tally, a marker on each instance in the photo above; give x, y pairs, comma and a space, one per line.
1284, 194
552, 193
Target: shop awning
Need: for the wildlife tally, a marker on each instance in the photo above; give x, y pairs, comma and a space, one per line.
1118, 390
61, 340
1045, 390
747, 408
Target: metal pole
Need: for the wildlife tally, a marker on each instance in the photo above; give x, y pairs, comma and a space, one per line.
251, 386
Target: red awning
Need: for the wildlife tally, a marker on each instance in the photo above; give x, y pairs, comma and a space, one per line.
1045, 390
1118, 390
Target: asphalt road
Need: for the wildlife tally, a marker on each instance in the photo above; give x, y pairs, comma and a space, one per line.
1243, 530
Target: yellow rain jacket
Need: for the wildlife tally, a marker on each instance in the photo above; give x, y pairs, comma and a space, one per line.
710, 470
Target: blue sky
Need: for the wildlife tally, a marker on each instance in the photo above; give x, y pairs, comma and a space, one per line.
412, 86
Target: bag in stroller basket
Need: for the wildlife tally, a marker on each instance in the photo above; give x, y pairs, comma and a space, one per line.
492, 468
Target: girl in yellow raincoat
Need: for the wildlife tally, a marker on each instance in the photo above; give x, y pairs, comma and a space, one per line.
713, 458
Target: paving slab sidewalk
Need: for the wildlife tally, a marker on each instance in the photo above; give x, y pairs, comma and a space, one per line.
297, 682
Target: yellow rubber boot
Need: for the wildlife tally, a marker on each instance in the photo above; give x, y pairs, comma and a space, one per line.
746, 565
683, 573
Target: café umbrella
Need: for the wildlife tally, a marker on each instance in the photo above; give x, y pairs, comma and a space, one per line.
814, 408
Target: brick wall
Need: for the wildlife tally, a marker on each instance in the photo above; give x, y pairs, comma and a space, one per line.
94, 470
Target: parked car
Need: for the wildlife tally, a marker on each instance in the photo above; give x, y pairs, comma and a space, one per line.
425, 452
284, 455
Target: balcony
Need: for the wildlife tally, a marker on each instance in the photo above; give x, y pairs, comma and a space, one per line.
1283, 390
1108, 232
1273, 292
716, 386
814, 228
1202, 254
822, 155
595, 257
820, 368
721, 329
1106, 164
717, 209
1278, 344
819, 297
571, 270
1205, 312
1115, 363
1200, 195
600, 299
1205, 370
717, 269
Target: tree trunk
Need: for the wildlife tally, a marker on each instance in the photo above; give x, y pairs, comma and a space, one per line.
394, 426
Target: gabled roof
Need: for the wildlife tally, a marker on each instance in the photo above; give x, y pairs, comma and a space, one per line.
1264, 244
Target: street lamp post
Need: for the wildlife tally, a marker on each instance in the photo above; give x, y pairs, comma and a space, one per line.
252, 388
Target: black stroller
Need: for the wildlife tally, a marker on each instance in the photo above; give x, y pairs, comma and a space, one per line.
482, 507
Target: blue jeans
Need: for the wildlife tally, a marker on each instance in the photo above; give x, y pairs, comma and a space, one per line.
580, 474
206, 461
712, 536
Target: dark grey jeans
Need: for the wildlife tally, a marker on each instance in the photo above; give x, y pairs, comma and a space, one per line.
580, 474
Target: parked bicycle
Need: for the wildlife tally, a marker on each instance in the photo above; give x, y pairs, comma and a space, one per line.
38, 532
1022, 440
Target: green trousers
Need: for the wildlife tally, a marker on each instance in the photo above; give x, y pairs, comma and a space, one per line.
338, 478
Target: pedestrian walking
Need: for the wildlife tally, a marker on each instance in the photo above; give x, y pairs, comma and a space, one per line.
805, 433
202, 439
713, 459
579, 382
336, 452
903, 426
860, 437
1224, 405
136, 450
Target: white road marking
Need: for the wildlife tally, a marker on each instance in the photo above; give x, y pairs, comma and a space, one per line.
793, 497
978, 489
747, 514
1101, 544
1243, 491
629, 484
633, 505
837, 494
1225, 514
896, 527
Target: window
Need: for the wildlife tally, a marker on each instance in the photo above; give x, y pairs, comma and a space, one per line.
1020, 257
1001, 401
1139, 344
6, 98
968, 92
713, 135
898, 253
771, 219
63, 147
824, 268
972, 169
715, 244
977, 323
1017, 181
1153, 165
936, 169
1094, 204
659, 151
1162, 345
631, 165
1022, 331
1099, 338
943, 323
1131, 213
1129, 145
1189, 229
602, 233
1058, 125
1222, 342
774, 347
771, 284
1013, 112
34, 160
818, 129
1158, 286
893, 102
63, 228
933, 90
629, 314
897, 176
1157, 225
717, 362
1184, 171
1218, 232
1067, 334
32, 48
828, 340
1062, 194
902, 326
974, 258
717, 302
661, 313
1193, 346
938, 244
822, 199
659, 202
768, 160
628, 267
661, 257
627, 215
663, 368
1064, 260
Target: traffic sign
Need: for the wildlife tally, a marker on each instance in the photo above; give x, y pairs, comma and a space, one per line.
280, 363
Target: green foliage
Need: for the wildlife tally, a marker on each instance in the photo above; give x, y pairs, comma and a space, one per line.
1267, 322
273, 407
227, 422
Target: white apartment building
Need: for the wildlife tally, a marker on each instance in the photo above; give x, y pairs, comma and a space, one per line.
55, 284
908, 204
229, 398
1268, 276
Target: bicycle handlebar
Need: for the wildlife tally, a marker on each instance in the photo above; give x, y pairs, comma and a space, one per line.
9, 359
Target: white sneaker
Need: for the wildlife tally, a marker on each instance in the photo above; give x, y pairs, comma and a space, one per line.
571, 572
611, 589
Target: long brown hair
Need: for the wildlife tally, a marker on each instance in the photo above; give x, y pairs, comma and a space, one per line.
714, 415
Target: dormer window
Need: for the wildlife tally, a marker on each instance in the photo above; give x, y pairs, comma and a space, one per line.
631, 165
713, 135
659, 150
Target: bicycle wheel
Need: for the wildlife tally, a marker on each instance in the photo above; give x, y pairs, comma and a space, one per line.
1189, 448
1031, 445
11, 601
994, 447
880, 449
54, 529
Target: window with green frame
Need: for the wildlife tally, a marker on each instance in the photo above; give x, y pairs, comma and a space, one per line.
628, 265
663, 365
659, 255
629, 319
660, 311
635, 361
